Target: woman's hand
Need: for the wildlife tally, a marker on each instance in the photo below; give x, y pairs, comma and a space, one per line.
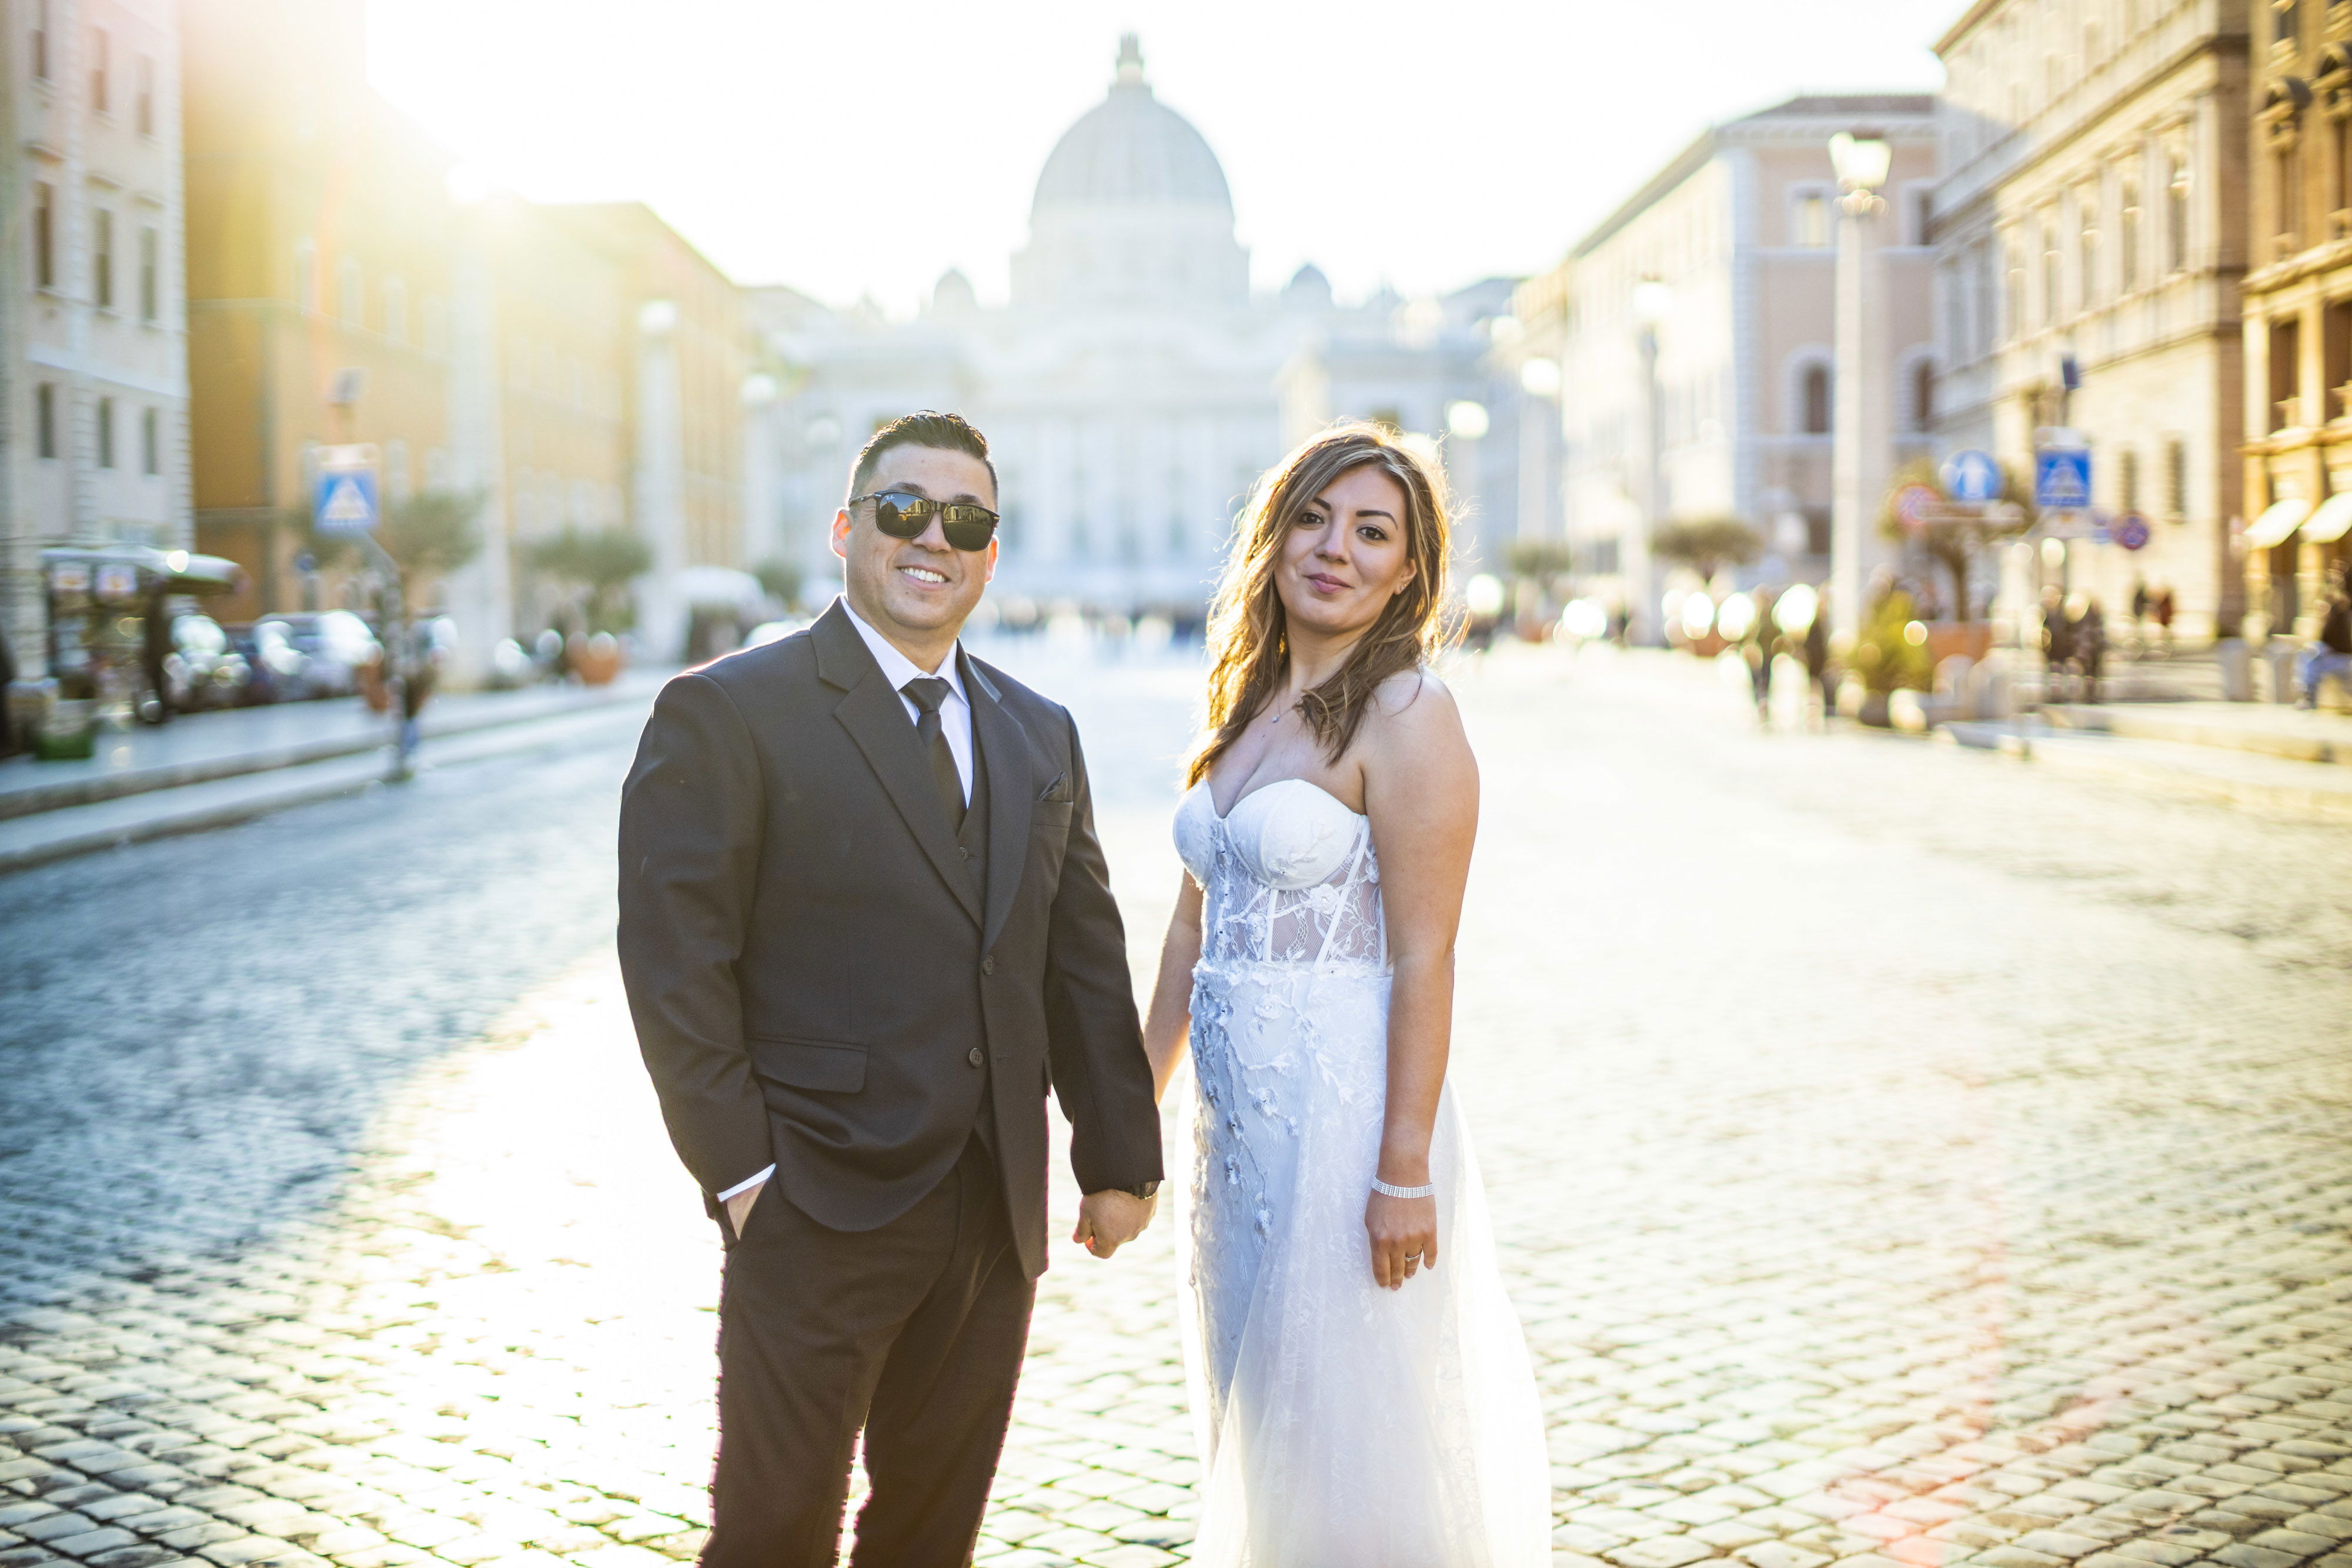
1404, 1238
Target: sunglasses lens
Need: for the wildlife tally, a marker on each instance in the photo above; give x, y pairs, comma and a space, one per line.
968, 527
901, 517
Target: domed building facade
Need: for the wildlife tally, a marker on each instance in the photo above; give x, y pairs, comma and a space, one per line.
1133, 388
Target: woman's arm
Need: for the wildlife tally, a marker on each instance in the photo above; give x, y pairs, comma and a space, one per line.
1421, 791
1168, 1028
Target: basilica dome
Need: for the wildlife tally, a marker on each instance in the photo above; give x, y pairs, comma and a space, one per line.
1132, 211
1131, 151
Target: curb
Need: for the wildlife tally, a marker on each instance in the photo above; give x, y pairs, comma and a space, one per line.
67, 831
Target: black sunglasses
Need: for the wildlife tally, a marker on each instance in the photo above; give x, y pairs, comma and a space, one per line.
903, 517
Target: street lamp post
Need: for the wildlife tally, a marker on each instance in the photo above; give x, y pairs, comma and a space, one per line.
1652, 302
1863, 431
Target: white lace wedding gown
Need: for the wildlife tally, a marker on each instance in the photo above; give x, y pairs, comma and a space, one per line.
1342, 1426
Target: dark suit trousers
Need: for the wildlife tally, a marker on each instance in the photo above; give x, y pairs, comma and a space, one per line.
914, 1331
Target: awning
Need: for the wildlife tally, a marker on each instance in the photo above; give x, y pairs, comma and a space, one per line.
179, 570
2332, 519
2276, 525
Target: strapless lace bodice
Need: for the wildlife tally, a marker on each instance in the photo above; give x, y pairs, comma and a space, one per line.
1288, 876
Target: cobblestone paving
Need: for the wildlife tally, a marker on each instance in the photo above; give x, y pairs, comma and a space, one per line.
1901, 1159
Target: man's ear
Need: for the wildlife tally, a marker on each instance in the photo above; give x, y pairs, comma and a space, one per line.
993, 545
841, 533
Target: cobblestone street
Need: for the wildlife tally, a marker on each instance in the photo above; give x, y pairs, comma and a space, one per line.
1899, 1156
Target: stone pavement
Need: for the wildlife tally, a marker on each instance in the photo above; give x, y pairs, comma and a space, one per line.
1901, 1158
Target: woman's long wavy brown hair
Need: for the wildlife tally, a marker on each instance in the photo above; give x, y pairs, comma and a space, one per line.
1248, 633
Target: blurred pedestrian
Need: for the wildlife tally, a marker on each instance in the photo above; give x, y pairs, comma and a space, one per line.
2057, 646
1817, 659
1758, 647
2164, 610
2090, 637
2331, 654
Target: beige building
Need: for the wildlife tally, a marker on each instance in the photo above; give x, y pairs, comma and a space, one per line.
2298, 318
93, 377
1697, 333
2093, 212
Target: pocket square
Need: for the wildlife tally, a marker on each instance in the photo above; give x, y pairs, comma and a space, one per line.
1059, 789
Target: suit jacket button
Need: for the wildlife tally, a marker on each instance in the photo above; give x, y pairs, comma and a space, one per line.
974, 1057
987, 965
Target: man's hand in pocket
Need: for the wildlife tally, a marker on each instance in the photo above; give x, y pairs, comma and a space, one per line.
739, 1207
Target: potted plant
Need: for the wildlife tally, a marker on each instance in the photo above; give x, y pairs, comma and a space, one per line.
599, 564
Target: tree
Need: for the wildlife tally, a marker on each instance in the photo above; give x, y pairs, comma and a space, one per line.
1706, 545
1953, 539
600, 563
781, 577
1539, 560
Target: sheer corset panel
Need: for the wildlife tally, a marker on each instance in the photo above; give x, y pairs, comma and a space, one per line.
1287, 876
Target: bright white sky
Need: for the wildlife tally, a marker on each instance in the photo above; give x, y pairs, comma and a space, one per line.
855, 148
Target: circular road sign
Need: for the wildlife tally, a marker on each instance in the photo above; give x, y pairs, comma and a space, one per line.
2130, 530
1913, 505
1973, 476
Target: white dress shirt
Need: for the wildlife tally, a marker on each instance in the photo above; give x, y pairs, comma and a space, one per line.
955, 713
955, 723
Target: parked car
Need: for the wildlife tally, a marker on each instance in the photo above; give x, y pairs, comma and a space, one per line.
314, 655
203, 668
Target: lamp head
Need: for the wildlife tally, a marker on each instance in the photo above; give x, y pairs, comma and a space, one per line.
1652, 301
1860, 161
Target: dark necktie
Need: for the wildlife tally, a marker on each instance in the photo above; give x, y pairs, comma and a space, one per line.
927, 692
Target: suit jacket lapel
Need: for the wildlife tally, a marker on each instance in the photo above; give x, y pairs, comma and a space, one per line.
1005, 751
876, 717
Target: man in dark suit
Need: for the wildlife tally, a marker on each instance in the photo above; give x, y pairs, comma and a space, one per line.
865, 926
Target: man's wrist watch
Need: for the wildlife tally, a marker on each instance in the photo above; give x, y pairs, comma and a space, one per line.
1147, 1191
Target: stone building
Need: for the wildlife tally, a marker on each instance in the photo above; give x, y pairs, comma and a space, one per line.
567, 367
2298, 316
93, 323
1133, 387
2093, 216
1695, 329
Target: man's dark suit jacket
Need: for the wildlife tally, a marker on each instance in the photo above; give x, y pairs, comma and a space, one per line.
814, 973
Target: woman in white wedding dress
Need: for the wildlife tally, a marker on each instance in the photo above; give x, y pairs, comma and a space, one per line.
1359, 1381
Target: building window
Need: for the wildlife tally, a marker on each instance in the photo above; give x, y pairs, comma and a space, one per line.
2176, 478
2128, 194
1923, 395
2050, 273
2127, 480
1922, 216
145, 111
306, 274
2287, 176
395, 310
101, 51
1808, 220
151, 454
2176, 213
101, 259
45, 419
347, 291
1814, 397
2086, 252
45, 236
2013, 305
150, 275
40, 40
2282, 25
1987, 285
106, 432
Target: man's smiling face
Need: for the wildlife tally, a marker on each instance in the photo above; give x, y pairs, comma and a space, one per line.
916, 591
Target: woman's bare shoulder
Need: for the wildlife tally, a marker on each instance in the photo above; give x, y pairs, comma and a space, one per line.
1413, 709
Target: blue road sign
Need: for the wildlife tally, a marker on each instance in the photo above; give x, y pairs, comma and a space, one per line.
1973, 476
344, 499
2062, 479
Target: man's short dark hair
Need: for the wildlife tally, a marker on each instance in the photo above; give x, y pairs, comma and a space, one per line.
926, 427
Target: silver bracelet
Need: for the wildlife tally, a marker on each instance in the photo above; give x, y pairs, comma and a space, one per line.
1429, 1191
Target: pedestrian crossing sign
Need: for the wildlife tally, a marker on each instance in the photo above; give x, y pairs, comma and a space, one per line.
2062, 479
344, 498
